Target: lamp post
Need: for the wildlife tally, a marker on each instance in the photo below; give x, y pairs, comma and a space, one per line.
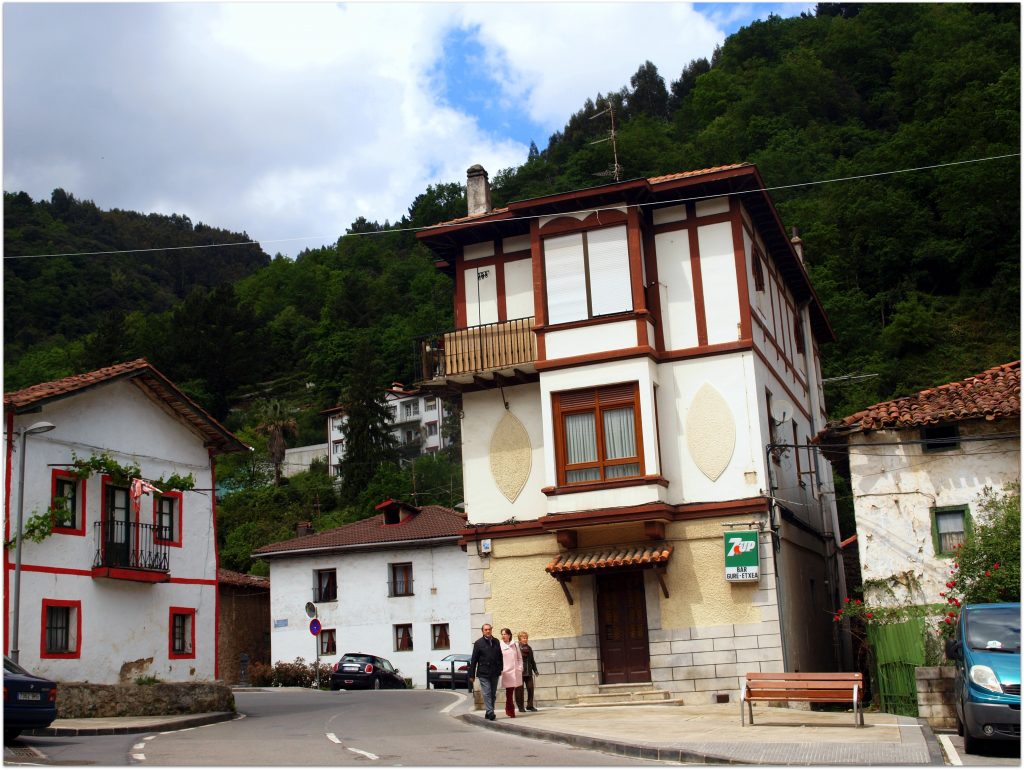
39, 427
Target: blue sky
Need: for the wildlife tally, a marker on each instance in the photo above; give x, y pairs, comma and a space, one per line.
289, 121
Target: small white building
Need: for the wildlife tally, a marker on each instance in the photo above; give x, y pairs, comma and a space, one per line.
125, 586
298, 459
917, 466
393, 585
416, 423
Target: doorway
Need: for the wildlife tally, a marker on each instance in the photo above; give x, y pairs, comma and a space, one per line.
622, 628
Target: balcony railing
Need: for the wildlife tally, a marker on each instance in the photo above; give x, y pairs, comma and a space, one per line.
128, 545
490, 347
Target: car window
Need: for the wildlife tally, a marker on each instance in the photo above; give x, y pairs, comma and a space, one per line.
360, 659
994, 628
386, 665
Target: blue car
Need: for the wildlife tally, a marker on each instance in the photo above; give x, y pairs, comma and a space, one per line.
30, 702
986, 651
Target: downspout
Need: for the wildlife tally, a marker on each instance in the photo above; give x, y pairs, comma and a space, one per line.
773, 527
7, 529
216, 566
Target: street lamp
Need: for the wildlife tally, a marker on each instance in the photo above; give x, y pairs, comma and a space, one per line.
39, 427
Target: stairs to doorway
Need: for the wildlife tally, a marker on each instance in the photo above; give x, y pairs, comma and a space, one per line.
635, 694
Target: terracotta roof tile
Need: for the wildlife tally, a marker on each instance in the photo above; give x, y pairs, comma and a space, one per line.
232, 578
699, 172
432, 521
995, 393
149, 380
588, 562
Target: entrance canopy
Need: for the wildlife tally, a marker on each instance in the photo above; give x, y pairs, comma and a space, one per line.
608, 558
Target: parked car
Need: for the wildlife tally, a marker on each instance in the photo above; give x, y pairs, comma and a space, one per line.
986, 690
359, 671
30, 702
451, 671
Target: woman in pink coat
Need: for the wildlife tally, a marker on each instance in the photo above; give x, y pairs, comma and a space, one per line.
511, 670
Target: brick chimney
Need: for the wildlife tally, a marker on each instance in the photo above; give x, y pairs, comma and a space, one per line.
478, 190
303, 528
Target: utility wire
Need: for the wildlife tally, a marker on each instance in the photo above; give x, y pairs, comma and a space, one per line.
525, 217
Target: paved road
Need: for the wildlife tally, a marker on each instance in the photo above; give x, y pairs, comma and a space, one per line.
303, 727
996, 754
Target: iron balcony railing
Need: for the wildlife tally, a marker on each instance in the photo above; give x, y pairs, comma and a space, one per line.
129, 545
488, 347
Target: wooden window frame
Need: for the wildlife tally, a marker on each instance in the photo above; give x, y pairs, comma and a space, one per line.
328, 641
403, 631
603, 399
393, 569
175, 499
74, 629
190, 614
936, 539
440, 636
57, 478
319, 595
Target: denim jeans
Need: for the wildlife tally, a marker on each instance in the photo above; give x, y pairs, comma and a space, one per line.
488, 684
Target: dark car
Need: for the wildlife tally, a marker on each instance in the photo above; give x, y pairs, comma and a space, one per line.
451, 671
359, 671
30, 701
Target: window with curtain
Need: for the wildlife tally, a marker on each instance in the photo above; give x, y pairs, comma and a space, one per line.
401, 579
440, 635
328, 641
587, 275
403, 636
597, 434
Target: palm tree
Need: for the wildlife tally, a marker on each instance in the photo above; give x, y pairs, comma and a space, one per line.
276, 425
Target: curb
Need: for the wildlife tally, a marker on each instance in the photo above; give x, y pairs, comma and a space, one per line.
632, 750
178, 724
935, 753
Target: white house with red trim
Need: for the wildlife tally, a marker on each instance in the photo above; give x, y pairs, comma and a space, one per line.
392, 585
123, 587
638, 370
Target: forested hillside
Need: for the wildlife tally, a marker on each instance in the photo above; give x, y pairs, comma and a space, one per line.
878, 128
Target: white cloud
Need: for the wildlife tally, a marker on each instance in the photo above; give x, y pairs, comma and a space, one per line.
289, 120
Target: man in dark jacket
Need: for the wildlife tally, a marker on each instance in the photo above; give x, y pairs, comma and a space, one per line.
486, 664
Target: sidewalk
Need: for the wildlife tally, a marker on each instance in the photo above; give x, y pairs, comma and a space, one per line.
130, 725
712, 734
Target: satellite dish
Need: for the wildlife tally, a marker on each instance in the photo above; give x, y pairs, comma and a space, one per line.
310, 609
782, 410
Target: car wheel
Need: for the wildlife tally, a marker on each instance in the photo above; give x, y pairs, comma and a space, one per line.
376, 683
959, 726
972, 745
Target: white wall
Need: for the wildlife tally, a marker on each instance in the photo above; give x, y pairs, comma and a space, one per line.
364, 614
298, 459
718, 276
124, 623
895, 489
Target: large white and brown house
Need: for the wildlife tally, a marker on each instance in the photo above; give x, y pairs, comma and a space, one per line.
392, 585
917, 467
123, 587
638, 368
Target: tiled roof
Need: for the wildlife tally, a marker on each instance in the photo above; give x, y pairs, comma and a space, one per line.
432, 521
149, 380
232, 578
588, 562
699, 172
993, 394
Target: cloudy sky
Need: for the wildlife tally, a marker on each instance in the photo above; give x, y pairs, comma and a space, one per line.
289, 121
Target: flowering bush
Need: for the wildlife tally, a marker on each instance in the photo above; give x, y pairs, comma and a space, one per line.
298, 673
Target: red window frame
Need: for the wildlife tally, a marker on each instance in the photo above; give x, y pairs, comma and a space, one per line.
74, 604
595, 401
56, 474
179, 519
191, 613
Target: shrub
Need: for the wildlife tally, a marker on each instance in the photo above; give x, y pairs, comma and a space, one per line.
297, 673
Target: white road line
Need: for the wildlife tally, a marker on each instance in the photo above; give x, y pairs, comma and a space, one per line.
333, 737
366, 754
139, 757
450, 706
149, 738
947, 744
139, 746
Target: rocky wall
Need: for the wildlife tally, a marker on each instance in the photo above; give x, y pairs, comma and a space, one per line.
77, 700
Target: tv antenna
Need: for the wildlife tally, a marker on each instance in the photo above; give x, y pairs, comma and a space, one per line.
616, 170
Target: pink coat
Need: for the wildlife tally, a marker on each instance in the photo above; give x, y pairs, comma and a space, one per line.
512, 665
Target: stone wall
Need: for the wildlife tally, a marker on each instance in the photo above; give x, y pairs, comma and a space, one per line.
935, 696
77, 700
244, 629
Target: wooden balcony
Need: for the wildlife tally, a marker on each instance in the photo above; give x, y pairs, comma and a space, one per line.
480, 355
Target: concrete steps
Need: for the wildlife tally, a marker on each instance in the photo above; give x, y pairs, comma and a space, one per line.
635, 694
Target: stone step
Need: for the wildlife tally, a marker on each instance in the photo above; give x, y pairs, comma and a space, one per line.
624, 696
631, 703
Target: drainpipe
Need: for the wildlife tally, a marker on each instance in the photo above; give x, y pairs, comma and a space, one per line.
773, 527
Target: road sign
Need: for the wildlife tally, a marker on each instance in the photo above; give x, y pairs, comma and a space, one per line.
314, 627
742, 558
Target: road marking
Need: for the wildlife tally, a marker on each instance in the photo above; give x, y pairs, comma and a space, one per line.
366, 754
139, 757
461, 697
149, 738
947, 744
139, 746
333, 737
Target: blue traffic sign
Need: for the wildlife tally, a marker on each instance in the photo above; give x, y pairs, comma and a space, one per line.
314, 627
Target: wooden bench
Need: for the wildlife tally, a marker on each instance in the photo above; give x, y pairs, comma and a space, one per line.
812, 688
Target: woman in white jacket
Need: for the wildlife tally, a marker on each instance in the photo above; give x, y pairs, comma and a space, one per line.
511, 670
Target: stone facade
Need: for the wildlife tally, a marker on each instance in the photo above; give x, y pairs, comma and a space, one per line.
935, 696
79, 700
244, 626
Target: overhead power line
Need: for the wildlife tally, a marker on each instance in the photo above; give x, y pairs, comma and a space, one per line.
527, 217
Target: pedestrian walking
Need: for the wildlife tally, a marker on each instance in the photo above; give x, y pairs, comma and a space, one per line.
511, 670
485, 664
529, 672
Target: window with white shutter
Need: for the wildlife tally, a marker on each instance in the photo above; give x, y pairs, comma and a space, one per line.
587, 275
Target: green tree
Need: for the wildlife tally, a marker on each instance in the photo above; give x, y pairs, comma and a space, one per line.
277, 424
987, 565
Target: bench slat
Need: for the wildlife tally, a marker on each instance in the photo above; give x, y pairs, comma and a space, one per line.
822, 695
839, 677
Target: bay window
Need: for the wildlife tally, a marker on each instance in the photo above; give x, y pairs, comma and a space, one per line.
597, 434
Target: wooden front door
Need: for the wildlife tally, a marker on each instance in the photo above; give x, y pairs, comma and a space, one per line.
117, 528
622, 628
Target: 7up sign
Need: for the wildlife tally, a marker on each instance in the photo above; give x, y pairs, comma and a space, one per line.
741, 556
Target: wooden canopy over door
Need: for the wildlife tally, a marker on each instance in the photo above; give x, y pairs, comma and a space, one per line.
622, 627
